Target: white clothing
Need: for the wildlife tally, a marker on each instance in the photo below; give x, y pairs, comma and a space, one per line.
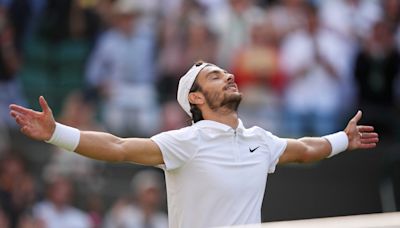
317, 89
232, 30
350, 19
131, 216
125, 66
67, 218
216, 175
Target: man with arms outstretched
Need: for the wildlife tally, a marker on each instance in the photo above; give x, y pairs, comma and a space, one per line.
215, 169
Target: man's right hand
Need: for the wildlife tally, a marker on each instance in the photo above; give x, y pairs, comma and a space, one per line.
37, 125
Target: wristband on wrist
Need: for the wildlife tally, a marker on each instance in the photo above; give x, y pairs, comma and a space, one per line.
339, 142
65, 137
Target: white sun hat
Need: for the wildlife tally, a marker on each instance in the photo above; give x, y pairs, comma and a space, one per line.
185, 83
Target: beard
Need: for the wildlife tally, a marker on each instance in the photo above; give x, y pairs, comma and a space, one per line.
229, 101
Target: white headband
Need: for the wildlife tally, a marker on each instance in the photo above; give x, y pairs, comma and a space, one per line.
185, 83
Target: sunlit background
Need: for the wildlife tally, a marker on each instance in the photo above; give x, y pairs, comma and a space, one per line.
304, 68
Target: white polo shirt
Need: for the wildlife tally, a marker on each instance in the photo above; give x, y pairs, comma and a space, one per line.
216, 175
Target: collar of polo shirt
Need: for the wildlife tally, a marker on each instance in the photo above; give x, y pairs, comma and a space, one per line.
219, 126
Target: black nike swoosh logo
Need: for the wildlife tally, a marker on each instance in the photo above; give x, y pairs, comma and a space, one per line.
252, 150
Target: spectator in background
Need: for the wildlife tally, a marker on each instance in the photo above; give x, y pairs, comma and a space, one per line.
121, 68
173, 117
197, 42
56, 210
95, 209
55, 54
257, 72
314, 60
174, 36
78, 111
4, 222
24, 17
67, 19
232, 26
144, 212
185, 37
352, 19
11, 170
286, 16
17, 190
376, 68
9, 66
391, 10
5, 139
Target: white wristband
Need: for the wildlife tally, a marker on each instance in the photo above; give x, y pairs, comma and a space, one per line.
65, 137
339, 142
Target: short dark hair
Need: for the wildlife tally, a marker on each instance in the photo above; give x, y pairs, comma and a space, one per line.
196, 112
199, 63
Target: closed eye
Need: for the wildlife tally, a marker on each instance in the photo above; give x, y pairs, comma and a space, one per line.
213, 75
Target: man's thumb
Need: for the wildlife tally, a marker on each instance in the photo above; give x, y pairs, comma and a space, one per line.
357, 117
43, 104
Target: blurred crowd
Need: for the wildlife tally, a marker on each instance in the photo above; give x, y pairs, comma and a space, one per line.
303, 66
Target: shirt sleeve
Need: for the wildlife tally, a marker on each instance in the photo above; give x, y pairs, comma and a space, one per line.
177, 147
276, 146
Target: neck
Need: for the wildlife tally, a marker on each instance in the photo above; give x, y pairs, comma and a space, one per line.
229, 118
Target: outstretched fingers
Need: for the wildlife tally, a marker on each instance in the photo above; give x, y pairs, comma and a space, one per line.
369, 135
22, 121
21, 110
20, 118
363, 128
361, 136
369, 140
367, 145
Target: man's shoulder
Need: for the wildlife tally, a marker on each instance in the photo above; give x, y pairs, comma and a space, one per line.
188, 132
260, 132
256, 130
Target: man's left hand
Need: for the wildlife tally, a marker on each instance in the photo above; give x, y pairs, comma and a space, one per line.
360, 136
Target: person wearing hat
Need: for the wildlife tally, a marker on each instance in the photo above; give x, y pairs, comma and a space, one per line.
216, 169
121, 66
142, 208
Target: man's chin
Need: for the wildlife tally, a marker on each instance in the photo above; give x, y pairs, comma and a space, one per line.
236, 95
232, 101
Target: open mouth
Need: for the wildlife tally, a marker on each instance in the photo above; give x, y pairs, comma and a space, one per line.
231, 86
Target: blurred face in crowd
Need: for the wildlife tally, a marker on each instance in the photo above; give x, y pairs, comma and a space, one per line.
60, 192
124, 22
197, 33
11, 170
217, 90
392, 8
240, 5
149, 197
380, 40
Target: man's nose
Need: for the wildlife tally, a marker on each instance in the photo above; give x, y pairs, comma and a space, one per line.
230, 77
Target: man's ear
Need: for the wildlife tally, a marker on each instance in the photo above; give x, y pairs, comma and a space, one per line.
196, 98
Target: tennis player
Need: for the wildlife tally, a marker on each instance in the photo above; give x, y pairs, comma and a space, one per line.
216, 169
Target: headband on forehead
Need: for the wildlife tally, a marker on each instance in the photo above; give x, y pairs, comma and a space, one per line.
185, 83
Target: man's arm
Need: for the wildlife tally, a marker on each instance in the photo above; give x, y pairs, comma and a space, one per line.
96, 145
311, 149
